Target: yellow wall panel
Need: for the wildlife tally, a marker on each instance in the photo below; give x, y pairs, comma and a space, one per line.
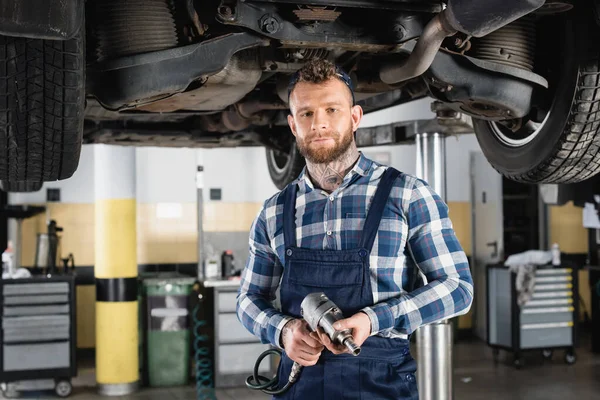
230, 217
566, 228
77, 221
86, 316
460, 215
167, 240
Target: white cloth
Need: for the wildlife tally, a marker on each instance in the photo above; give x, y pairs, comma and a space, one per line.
20, 273
524, 265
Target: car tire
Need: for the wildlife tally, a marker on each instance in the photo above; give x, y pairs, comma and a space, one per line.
565, 148
42, 102
20, 186
284, 166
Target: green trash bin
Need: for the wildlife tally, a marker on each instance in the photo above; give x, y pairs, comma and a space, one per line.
168, 331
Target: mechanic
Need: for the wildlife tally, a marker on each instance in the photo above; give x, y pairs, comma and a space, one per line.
357, 231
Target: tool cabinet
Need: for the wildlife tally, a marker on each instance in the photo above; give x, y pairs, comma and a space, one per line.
38, 334
546, 322
234, 350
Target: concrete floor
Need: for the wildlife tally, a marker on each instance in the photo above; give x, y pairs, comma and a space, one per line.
475, 377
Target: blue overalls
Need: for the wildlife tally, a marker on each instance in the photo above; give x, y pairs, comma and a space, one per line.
384, 369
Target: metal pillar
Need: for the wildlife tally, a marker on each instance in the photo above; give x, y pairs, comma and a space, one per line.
200, 206
434, 341
116, 270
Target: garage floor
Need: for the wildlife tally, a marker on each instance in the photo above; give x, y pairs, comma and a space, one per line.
476, 377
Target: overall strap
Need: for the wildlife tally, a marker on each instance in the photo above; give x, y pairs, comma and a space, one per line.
377, 206
289, 216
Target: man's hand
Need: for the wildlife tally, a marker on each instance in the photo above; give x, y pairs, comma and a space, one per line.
298, 343
360, 326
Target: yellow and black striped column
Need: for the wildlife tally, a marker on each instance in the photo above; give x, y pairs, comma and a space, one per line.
117, 364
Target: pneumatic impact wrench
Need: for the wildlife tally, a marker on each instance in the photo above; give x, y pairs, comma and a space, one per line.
318, 311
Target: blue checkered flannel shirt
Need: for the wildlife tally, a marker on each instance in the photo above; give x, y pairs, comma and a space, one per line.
415, 218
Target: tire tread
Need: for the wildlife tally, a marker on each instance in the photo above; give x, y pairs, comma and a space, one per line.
41, 108
576, 156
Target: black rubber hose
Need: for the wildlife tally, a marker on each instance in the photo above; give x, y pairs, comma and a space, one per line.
262, 383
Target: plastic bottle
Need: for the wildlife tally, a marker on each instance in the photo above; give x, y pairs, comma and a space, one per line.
7, 260
555, 255
227, 264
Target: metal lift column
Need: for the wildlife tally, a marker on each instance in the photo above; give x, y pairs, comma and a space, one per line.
434, 341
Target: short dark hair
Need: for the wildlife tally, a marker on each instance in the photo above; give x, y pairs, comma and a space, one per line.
319, 71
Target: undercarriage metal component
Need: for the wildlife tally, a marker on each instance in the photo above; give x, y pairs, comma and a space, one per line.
479, 18
473, 17
127, 27
266, 20
423, 54
228, 86
314, 13
513, 44
465, 84
428, 6
240, 116
141, 78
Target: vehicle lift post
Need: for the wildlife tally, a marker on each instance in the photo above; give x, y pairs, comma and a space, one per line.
434, 341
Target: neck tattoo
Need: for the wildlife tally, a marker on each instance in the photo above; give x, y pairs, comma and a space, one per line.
329, 176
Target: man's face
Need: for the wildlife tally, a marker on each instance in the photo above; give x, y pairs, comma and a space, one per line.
323, 119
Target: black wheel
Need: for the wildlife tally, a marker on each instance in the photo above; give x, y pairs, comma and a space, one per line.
42, 95
20, 186
558, 142
283, 166
547, 354
63, 388
570, 357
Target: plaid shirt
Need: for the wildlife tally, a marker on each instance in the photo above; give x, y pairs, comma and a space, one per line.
415, 218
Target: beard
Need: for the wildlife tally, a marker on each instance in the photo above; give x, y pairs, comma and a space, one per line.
325, 154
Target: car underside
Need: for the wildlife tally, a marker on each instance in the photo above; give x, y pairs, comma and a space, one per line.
190, 73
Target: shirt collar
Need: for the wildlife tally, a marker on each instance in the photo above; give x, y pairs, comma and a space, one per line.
362, 167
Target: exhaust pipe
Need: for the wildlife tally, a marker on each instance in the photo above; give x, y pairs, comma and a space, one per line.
473, 17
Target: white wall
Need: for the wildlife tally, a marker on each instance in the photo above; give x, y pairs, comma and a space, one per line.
404, 158
241, 173
165, 175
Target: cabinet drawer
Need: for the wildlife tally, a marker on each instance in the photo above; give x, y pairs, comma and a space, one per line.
546, 335
35, 310
546, 315
36, 356
35, 288
36, 335
231, 330
226, 301
46, 299
36, 322
238, 358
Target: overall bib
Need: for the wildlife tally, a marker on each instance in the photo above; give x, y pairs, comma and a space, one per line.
384, 369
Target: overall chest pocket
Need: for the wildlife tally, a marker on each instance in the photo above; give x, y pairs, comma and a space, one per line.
326, 273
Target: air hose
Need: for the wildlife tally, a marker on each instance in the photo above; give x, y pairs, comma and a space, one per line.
259, 382
205, 388
319, 312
